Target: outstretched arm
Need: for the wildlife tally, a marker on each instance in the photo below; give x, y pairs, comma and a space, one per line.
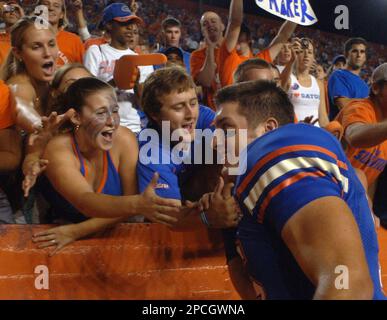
283, 36
80, 20
234, 24
322, 236
63, 173
26, 116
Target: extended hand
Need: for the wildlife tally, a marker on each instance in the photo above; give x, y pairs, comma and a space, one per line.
223, 211
155, 208
57, 237
31, 171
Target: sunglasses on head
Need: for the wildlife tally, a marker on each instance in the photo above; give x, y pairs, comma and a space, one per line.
7, 8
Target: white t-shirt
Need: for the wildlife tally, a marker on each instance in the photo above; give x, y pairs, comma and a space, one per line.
306, 100
100, 61
280, 68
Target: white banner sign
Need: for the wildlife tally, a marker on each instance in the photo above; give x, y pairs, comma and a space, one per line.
298, 11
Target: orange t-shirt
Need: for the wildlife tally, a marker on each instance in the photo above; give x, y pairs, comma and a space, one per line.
370, 160
5, 46
198, 57
71, 48
229, 62
6, 115
95, 41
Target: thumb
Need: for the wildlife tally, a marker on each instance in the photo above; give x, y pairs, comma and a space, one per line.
219, 187
227, 191
154, 181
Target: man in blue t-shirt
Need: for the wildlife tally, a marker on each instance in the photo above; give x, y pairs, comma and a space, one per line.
172, 146
346, 83
171, 33
306, 219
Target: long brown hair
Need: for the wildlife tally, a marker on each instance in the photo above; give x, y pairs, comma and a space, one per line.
13, 66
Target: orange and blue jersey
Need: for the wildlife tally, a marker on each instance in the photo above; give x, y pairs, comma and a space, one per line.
286, 169
64, 210
157, 155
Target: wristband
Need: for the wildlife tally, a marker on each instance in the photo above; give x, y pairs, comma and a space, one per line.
204, 219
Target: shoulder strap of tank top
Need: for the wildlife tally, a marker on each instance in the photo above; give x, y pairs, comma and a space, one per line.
79, 155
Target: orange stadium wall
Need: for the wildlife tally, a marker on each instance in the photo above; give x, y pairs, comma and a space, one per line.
131, 261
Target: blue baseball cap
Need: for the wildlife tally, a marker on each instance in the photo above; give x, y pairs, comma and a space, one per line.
119, 12
339, 58
175, 50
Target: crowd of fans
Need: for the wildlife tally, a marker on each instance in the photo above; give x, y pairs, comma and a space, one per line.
328, 45
79, 99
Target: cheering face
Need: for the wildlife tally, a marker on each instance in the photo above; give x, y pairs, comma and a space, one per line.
99, 119
212, 26
181, 109
126, 33
172, 36
55, 10
357, 57
38, 53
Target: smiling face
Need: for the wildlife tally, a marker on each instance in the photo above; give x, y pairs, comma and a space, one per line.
55, 11
181, 109
99, 119
38, 52
212, 26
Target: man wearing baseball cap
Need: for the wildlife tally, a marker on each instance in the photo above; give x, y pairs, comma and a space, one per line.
171, 33
339, 62
365, 129
122, 26
175, 56
345, 84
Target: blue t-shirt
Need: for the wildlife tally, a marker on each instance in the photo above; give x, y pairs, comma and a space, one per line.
343, 83
286, 169
156, 155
